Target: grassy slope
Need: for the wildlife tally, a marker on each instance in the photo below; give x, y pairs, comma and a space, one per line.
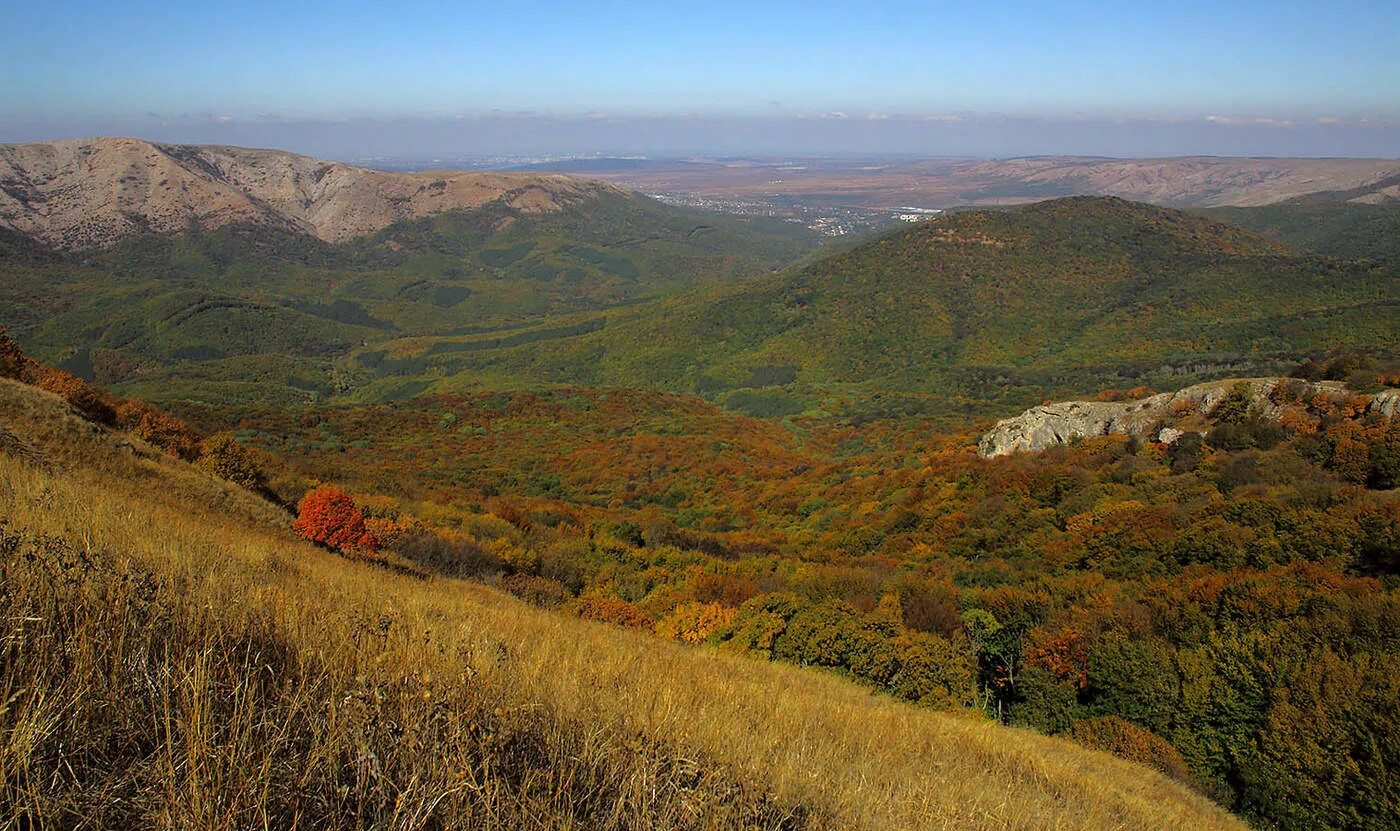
218, 673
998, 309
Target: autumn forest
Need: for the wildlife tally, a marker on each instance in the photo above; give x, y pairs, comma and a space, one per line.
566, 428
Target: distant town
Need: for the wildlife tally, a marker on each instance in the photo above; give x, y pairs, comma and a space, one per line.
817, 213
830, 220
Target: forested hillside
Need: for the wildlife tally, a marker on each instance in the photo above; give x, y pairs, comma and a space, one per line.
176, 656
972, 312
244, 310
1191, 605
1336, 229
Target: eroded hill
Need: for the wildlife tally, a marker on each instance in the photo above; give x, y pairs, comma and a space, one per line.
92, 193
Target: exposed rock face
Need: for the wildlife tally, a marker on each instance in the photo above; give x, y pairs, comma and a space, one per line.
1184, 410
1387, 403
91, 193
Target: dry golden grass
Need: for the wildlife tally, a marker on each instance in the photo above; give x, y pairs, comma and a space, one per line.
174, 658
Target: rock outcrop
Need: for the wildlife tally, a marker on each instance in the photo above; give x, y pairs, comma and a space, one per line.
92, 193
1167, 416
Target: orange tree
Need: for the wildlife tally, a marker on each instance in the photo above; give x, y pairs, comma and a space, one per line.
330, 517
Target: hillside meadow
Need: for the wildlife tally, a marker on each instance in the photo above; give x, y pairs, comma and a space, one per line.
176, 658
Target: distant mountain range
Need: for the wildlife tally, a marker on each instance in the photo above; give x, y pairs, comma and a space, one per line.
1199, 181
92, 193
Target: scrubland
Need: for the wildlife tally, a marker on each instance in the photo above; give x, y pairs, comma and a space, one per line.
175, 658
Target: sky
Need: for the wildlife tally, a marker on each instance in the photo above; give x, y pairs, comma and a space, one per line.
991, 78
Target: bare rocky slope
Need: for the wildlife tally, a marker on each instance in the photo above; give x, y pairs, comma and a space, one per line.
1169, 415
1199, 181
91, 193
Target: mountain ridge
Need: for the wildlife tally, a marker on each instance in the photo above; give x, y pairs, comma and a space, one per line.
1203, 181
1009, 306
92, 193
886, 184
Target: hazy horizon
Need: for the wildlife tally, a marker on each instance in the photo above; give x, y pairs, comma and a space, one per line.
352, 80
526, 135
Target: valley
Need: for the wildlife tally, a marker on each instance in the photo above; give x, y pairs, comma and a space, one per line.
564, 424
853, 195
964, 315
818, 416
313, 688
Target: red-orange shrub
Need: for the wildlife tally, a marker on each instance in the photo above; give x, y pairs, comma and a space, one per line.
157, 428
80, 395
330, 517
1064, 654
606, 609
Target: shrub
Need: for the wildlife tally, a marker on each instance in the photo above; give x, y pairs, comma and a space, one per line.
224, 457
443, 550
1185, 453
81, 396
872, 655
820, 635
932, 607
1233, 408
1309, 370
724, 589
755, 629
14, 364
695, 622
1385, 461
1044, 702
1133, 677
1063, 654
934, 671
1128, 741
388, 532
538, 591
514, 556
328, 516
158, 429
628, 532
606, 609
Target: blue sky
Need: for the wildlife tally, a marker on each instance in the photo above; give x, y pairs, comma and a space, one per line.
70, 66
